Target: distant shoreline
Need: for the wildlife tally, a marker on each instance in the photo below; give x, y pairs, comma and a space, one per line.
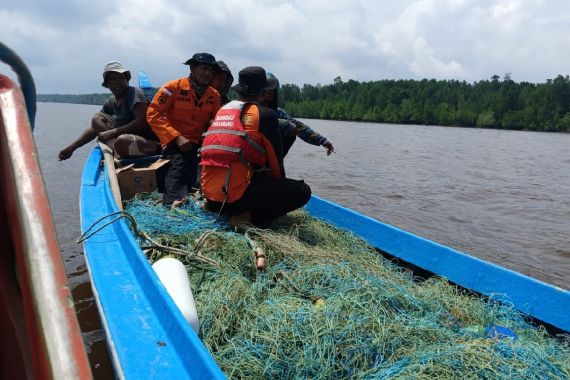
489, 104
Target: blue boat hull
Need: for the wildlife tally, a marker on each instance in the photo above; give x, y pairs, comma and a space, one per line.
148, 336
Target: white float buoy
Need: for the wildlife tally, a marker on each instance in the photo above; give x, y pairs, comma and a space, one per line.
174, 277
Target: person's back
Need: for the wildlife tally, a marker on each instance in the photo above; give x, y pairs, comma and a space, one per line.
242, 183
226, 175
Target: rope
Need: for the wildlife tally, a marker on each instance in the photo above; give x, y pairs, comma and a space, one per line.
122, 214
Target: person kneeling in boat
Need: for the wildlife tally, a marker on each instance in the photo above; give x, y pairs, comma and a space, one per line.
121, 123
242, 160
290, 127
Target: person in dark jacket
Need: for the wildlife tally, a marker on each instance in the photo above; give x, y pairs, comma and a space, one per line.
222, 81
289, 126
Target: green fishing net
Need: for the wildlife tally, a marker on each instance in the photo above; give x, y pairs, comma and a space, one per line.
328, 306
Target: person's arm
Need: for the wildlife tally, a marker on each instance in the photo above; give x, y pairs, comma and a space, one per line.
157, 113
308, 135
85, 137
304, 132
137, 126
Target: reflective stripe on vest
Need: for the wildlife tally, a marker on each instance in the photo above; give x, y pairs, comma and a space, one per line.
226, 140
243, 134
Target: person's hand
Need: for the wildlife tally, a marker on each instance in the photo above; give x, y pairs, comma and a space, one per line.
183, 143
107, 135
65, 153
330, 148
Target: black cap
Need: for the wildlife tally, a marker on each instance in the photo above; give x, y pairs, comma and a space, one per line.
202, 59
223, 68
252, 81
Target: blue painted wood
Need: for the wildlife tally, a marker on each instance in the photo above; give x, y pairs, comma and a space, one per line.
543, 301
146, 86
146, 333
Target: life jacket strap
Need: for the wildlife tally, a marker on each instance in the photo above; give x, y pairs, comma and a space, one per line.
225, 188
231, 149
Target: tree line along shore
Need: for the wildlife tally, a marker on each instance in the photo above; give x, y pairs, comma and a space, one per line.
494, 103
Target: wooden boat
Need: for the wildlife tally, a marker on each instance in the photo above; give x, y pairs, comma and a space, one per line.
147, 334
39, 332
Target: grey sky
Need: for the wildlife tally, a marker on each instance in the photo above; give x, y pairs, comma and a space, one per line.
66, 43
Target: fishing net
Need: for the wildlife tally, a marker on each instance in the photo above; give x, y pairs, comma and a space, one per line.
329, 306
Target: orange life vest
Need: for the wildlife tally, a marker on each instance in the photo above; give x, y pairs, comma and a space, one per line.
232, 151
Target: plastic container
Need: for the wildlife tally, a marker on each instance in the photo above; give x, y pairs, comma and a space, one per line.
500, 332
174, 277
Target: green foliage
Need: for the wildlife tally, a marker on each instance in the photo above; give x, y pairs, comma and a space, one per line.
488, 103
486, 119
493, 103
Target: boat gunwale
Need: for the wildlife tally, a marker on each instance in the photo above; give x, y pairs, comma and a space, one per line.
537, 299
158, 337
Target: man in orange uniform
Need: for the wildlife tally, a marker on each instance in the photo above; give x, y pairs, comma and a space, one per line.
179, 113
242, 158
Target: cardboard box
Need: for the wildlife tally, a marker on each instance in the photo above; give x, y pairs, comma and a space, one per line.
134, 179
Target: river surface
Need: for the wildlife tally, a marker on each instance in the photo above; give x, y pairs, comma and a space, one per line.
503, 196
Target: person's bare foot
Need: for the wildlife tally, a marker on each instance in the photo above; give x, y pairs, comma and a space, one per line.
179, 203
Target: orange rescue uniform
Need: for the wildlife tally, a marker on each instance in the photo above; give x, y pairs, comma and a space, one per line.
175, 110
214, 178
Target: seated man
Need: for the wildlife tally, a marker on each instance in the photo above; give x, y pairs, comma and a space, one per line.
179, 114
242, 174
121, 123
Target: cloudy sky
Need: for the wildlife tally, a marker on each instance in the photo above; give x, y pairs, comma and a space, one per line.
66, 43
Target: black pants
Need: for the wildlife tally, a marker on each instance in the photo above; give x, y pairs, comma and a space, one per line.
267, 198
181, 175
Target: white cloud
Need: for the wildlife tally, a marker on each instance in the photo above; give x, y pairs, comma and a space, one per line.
67, 43
426, 64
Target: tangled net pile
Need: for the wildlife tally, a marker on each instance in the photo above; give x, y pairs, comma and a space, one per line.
328, 306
